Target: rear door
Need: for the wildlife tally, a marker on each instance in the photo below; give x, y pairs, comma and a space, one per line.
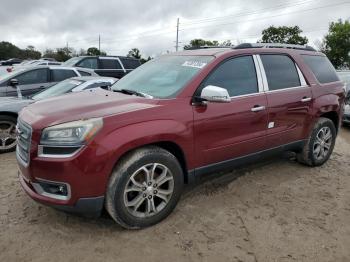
289, 100
110, 67
30, 82
224, 131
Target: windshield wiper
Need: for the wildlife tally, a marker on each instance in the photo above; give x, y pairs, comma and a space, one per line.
133, 92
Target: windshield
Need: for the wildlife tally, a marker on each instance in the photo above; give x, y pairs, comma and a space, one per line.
58, 89
163, 77
72, 61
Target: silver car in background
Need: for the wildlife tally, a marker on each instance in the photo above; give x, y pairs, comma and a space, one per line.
11, 106
36, 78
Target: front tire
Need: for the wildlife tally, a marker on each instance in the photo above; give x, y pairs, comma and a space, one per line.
7, 133
320, 144
144, 187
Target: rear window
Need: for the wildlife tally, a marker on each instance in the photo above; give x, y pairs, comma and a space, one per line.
280, 71
322, 68
130, 63
62, 74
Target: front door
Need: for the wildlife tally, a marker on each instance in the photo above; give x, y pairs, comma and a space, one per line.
224, 131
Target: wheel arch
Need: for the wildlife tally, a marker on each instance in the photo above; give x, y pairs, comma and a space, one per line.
6, 113
334, 117
170, 146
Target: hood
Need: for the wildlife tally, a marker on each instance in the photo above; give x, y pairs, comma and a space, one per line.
13, 104
82, 105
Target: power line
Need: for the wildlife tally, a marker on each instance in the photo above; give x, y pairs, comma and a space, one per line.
263, 18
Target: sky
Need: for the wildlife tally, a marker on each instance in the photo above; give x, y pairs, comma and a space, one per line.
151, 25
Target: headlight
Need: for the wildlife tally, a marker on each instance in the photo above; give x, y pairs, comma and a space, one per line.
72, 133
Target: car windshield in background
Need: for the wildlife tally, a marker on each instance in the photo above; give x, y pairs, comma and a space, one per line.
6, 75
163, 77
72, 61
58, 89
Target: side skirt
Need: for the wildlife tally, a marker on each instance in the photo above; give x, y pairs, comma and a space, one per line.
199, 173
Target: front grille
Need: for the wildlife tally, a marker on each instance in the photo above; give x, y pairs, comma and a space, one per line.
24, 136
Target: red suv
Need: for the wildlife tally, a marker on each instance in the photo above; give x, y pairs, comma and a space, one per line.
173, 121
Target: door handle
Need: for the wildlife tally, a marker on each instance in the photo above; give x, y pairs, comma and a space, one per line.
257, 108
306, 99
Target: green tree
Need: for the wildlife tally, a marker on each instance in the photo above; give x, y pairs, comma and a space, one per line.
336, 44
8, 50
93, 51
197, 43
284, 35
135, 53
30, 53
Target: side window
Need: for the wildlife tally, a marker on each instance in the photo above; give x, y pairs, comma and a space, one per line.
322, 68
88, 63
281, 71
33, 77
130, 63
83, 73
110, 64
62, 74
237, 75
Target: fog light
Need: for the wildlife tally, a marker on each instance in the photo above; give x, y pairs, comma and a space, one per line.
54, 188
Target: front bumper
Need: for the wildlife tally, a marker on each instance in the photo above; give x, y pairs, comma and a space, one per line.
90, 207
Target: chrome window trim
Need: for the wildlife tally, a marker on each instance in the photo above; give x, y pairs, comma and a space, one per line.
247, 95
41, 150
258, 74
41, 191
301, 76
263, 74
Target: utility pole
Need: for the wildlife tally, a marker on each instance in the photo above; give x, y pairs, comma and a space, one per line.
177, 35
99, 43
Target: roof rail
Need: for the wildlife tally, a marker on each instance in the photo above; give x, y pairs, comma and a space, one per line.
274, 45
206, 47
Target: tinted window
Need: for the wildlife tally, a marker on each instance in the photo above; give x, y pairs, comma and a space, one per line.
130, 63
33, 77
280, 71
62, 74
237, 75
82, 73
322, 68
109, 64
88, 63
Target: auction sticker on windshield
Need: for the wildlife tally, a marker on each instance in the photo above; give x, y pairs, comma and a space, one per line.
196, 64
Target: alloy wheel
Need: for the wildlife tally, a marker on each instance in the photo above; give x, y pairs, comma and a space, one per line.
148, 190
7, 135
323, 143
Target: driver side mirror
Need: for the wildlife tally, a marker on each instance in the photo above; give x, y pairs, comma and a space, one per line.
13, 83
215, 94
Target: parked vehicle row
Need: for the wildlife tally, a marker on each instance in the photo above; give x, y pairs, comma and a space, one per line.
11, 106
111, 66
173, 121
36, 78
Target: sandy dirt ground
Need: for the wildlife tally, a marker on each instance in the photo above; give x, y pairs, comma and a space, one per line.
277, 210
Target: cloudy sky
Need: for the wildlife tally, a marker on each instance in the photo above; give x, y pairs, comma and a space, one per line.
151, 25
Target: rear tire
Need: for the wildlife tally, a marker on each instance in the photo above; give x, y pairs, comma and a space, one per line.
320, 144
7, 133
144, 187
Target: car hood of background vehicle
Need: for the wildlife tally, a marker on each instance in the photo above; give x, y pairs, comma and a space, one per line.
82, 105
10, 103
